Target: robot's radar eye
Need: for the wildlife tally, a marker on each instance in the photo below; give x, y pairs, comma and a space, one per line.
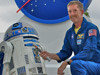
15, 25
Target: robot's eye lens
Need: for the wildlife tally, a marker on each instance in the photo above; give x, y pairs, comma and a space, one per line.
25, 29
15, 25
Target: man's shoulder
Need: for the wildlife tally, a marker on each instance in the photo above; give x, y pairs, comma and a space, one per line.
91, 25
69, 30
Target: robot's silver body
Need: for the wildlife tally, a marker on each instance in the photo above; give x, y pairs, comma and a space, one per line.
21, 56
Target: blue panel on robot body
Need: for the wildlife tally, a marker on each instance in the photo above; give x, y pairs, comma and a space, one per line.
31, 40
21, 71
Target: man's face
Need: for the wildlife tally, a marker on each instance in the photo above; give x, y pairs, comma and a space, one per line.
75, 13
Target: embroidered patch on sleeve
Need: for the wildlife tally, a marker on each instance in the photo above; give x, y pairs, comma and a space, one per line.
92, 32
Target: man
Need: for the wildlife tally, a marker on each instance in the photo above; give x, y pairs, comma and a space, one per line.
83, 39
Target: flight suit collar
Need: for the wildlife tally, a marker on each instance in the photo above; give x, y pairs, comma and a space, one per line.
83, 25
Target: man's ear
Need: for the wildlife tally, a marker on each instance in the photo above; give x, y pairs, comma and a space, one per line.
82, 12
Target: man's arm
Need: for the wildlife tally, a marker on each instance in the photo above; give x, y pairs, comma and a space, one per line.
45, 54
63, 66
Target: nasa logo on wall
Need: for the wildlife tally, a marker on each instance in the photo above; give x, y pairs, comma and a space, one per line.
47, 11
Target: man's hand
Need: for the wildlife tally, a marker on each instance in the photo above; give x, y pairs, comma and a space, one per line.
45, 54
62, 68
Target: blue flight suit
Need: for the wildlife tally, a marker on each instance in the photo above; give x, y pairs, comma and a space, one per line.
86, 47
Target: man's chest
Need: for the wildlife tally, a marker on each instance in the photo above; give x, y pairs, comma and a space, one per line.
77, 41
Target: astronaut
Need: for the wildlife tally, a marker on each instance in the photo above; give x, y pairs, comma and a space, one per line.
19, 52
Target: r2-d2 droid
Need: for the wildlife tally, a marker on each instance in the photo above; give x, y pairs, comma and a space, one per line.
21, 51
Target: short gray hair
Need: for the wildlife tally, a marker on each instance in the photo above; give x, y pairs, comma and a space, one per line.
80, 5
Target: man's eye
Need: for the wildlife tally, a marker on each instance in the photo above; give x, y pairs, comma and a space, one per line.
75, 10
69, 11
